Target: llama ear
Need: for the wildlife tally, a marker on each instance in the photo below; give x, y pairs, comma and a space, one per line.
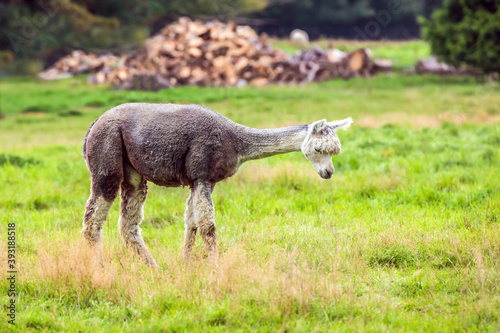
317, 126
344, 124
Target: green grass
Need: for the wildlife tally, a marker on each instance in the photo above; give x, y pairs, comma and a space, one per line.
405, 237
32, 108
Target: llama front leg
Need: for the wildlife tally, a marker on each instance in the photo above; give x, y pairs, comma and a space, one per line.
133, 196
190, 228
204, 217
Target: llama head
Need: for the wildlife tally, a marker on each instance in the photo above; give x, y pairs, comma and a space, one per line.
321, 143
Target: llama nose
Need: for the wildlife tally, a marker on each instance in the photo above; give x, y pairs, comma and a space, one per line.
326, 174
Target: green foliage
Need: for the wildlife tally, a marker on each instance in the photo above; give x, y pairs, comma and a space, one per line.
48, 30
466, 32
31, 31
225, 8
346, 18
23, 66
321, 11
127, 11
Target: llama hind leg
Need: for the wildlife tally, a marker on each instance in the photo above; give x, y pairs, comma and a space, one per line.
96, 212
204, 217
104, 159
133, 196
190, 229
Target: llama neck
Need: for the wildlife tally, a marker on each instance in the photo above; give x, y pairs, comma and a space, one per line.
261, 143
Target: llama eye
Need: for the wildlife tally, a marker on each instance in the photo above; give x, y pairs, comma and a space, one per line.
319, 151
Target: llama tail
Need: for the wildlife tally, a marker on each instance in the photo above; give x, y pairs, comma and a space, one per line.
84, 148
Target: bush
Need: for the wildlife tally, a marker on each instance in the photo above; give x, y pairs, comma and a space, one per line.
466, 32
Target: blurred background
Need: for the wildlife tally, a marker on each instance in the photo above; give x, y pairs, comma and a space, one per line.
34, 34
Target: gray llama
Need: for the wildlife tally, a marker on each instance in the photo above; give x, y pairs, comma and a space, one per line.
182, 145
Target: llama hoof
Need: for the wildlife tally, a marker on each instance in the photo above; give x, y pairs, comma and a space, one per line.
150, 262
153, 265
99, 264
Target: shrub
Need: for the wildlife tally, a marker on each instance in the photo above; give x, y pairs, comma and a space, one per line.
466, 32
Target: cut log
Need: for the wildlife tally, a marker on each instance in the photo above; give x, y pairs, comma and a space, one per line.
359, 60
382, 65
195, 52
335, 56
259, 82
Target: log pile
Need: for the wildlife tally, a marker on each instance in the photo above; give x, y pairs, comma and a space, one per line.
432, 65
190, 52
77, 63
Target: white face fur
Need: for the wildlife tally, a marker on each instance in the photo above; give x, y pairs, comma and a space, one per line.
321, 143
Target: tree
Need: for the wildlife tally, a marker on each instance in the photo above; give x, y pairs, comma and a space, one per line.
429, 6
466, 32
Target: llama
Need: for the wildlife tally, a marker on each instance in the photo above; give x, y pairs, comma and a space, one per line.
182, 145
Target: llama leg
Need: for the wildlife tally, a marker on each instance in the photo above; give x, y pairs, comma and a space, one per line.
133, 196
104, 159
96, 212
190, 229
204, 217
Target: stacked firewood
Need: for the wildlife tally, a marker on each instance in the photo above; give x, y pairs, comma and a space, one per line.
190, 52
78, 62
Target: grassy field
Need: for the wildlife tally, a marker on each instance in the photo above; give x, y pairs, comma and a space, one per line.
405, 237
